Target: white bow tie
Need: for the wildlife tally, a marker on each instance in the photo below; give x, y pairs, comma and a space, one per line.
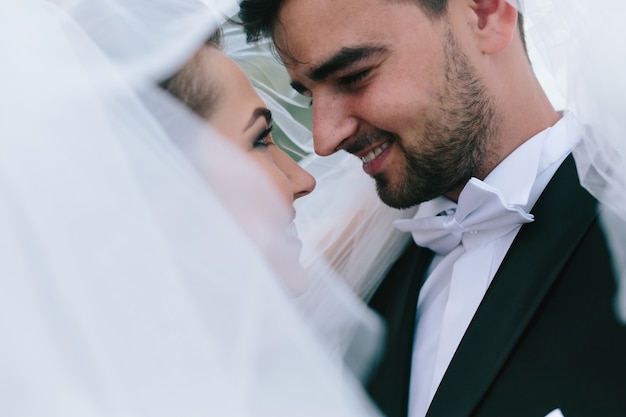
481, 216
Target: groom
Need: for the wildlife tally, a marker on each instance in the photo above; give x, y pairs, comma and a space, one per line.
504, 305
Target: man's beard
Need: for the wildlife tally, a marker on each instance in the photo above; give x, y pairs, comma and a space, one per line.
456, 140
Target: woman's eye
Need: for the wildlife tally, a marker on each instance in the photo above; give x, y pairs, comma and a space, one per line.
264, 138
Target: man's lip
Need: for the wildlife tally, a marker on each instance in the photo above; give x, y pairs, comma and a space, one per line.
362, 153
377, 162
375, 153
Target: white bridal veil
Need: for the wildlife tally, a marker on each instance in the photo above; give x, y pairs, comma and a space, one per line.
578, 53
144, 268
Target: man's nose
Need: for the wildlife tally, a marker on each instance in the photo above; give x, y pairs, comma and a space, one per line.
333, 123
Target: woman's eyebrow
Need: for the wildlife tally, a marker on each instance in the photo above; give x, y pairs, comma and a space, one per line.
259, 112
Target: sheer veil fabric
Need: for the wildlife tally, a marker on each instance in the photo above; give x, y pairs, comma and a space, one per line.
573, 43
145, 270
136, 279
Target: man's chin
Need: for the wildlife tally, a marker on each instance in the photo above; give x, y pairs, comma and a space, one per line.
394, 196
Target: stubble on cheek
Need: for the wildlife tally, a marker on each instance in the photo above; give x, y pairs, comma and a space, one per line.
455, 143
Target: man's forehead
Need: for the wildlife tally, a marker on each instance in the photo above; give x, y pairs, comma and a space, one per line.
305, 35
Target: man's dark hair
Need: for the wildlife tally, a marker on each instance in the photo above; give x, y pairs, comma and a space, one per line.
193, 86
258, 17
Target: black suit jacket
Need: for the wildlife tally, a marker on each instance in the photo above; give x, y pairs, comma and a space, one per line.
545, 335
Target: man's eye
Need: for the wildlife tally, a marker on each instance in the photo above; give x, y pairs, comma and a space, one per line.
264, 139
353, 79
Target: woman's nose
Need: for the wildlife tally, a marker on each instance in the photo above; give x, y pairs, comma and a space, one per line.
301, 182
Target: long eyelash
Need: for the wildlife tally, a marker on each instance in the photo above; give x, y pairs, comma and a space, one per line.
261, 139
350, 80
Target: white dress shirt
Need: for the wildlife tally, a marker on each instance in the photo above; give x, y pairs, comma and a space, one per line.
458, 281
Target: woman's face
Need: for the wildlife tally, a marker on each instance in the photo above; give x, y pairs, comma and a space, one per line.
241, 116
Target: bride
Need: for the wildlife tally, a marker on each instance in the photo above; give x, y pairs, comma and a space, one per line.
146, 270
215, 88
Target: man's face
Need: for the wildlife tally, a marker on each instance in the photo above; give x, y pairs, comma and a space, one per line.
394, 88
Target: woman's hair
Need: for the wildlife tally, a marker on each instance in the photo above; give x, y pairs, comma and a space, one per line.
195, 87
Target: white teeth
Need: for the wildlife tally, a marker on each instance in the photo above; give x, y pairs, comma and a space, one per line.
374, 153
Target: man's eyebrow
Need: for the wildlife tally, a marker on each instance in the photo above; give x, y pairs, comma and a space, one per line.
343, 59
259, 112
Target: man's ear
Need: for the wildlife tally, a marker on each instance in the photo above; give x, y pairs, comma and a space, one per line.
496, 23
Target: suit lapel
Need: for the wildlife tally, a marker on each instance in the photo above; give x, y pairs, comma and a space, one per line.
562, 214
395, 301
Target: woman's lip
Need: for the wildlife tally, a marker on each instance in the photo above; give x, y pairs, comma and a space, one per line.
291, 236
362, 153
291, 232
